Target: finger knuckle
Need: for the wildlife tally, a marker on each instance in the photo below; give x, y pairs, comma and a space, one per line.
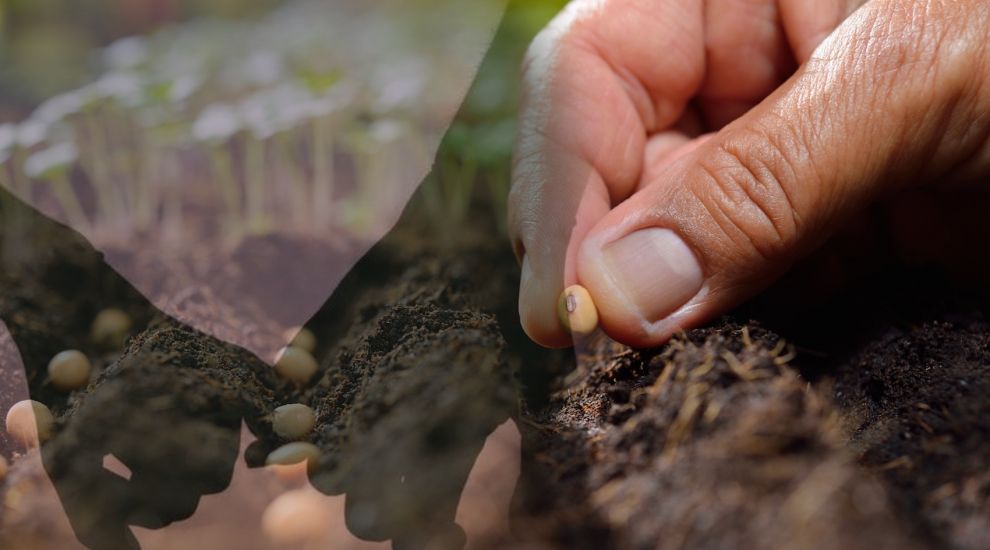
746, 189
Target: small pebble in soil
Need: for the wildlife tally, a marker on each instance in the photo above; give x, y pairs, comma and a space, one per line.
69, 370
293, 421
293, 453
110, 329
29, 422
297, 365
297, 517
302, 338
576, 310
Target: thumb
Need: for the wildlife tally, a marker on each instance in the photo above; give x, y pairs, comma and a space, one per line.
892, 99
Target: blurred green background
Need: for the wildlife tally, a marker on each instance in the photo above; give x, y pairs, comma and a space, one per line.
50, 46
47, 46
474, 161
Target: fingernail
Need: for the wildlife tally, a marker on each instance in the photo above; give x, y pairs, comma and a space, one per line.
654, 270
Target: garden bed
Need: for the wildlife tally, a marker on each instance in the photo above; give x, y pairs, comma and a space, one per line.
829, 432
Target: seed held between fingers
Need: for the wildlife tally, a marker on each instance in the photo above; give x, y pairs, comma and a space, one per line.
577, 311
30, 422
296, 364
293, 421
69, 370
293, 453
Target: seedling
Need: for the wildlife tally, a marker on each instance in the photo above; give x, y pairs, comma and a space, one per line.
30, 422
110, 328
214, 126
294, 453
224, 128
297, 365
54, 164
293, 421
69, 370
576, 310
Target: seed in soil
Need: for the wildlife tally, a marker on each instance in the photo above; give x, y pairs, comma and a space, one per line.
110, 328
576, 310
29, 422
4, 467
69, 370
302, 338
293, 453
296, 364
293, 421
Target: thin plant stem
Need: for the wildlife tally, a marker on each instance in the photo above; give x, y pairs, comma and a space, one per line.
296, 180
459, 185
66, 195
323, 174
102, 181
151, 166
223, 171
255, 176
172, 218
369, 185
19, 184
116, 145
12, 218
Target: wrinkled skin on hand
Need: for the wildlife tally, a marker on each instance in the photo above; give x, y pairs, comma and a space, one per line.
676, 158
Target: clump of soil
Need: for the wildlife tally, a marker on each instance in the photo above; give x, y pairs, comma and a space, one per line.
170, 409
712, 441
918, 400
415, 374
728, 436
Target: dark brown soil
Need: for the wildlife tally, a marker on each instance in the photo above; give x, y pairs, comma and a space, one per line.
720, 439
918, 400
831, 430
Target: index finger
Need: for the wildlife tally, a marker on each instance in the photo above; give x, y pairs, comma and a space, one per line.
601, 78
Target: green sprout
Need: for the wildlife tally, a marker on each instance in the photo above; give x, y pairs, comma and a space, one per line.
270, 127
214, 127
53, 165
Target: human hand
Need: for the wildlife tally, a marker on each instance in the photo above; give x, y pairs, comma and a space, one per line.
176, 443
675, 158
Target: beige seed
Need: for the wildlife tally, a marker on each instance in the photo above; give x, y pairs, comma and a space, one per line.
293, 421
293, 453
302, 338
576, 310
296, 364
110, 328
29, 421
69, 370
